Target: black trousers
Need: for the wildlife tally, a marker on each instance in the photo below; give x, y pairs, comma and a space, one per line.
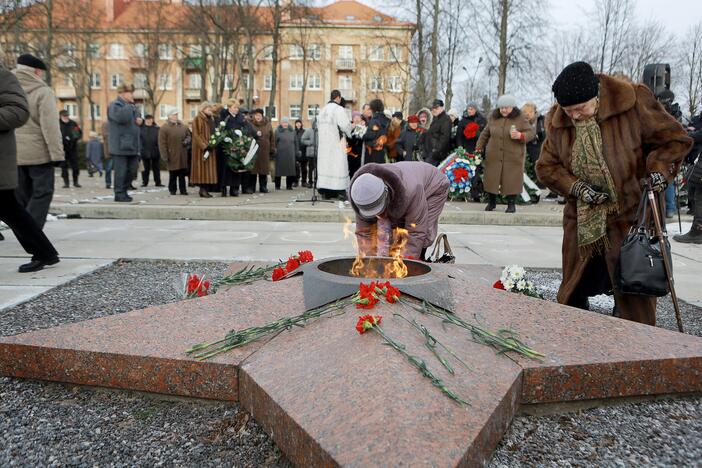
248, 182
307, 169
71, 160
288, 182
177, 176
26, 230
151, 165
35, 189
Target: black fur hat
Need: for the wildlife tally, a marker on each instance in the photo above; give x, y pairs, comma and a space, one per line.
576, 84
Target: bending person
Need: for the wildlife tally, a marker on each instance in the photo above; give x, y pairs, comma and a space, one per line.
409, 195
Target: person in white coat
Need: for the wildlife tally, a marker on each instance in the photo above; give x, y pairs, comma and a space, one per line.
332, 165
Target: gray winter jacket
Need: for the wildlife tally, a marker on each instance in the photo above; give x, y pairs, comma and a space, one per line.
39, 140
14, 112
309, 141
124, 133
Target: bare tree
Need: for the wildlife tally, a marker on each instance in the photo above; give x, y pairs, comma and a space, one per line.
434, 50
509, 31
451, 48
303, 34
692, 68
277, 10
647, 43
613, 25
11, 15
420, 86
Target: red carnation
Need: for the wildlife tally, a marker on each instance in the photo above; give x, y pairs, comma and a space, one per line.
292, 265
305, 256
498, 285
460, 173
278, 274
471, 130
197, 286
392, 294
367, 322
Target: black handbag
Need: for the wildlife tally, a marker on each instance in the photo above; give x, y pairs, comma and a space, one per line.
640, 270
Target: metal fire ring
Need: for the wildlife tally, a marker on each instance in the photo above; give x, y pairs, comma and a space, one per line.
329, 280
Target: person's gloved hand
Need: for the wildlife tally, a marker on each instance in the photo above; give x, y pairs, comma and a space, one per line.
587, 194
657, 181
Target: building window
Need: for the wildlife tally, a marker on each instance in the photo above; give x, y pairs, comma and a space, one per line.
312, 111
395, 53
140, 50
267, 53
247, 51
296, 82
96, 111
377, 52
194, 81
140, 80
345, 82
94, 50
314, 52
295, 112
69, 49
164, 82
376, 83
268, 82
346, 52
68, 79
95, 81
195, 51
72, 109
296, 52
116, 51
245, 81
314, 82
193, 111
163, 111
271, 112
394, 84
116, 80
165, 52
229, 82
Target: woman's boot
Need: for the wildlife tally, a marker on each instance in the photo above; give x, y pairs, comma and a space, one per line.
511, 204
204, 193
263, 183
492, 202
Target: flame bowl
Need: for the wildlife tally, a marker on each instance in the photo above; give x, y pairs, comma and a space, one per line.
373, 267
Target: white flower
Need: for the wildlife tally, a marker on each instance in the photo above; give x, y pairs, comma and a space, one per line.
222, 123
238, 133
228, 140
508, 284
217, 133
521, 285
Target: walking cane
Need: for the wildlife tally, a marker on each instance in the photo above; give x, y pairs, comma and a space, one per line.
664, 251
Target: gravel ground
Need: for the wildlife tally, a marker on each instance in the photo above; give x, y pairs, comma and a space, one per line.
47, 424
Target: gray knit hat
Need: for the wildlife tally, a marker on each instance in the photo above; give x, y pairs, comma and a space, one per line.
369, 193
506, 100
474, 105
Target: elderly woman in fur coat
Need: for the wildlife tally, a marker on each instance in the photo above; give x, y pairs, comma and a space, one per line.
408, 194
504, 141
604, 136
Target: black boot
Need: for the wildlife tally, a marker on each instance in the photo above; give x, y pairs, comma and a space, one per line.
65, 183
75, 183
263, 183
492, 202
511, 204
692, 237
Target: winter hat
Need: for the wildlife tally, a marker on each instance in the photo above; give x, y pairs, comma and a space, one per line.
28, 60
474, 105
369, 193
258, 111
398, 114
576, 84
285, 120
412, 119
506, 100
355, 114
437, 103
453, 112
171, 111
125, 88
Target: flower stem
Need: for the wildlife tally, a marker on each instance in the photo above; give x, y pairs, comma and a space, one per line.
420, 365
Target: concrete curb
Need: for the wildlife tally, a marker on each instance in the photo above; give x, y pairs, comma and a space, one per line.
296, 214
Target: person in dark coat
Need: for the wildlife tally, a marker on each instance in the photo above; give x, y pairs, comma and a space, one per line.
94, 151
409, 195
376, 136
408, 143
71, 135
469, 128
285, 155
171, 140
233, 120
437, 141
355, 150
266, 149
150, 154
301, 156
694, 182
310, 140
14, 112
124, 140
602, 137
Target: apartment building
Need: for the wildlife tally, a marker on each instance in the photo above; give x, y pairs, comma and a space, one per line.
346, 45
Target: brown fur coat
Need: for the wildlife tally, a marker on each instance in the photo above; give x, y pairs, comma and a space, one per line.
638, 137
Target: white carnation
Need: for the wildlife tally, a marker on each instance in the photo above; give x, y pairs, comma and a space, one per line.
238, 133
521, 285
228, 140
508, 284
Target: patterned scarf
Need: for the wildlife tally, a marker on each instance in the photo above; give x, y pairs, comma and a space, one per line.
589, 165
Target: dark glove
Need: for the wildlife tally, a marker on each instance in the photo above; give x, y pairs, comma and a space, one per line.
587, 194
657, 181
